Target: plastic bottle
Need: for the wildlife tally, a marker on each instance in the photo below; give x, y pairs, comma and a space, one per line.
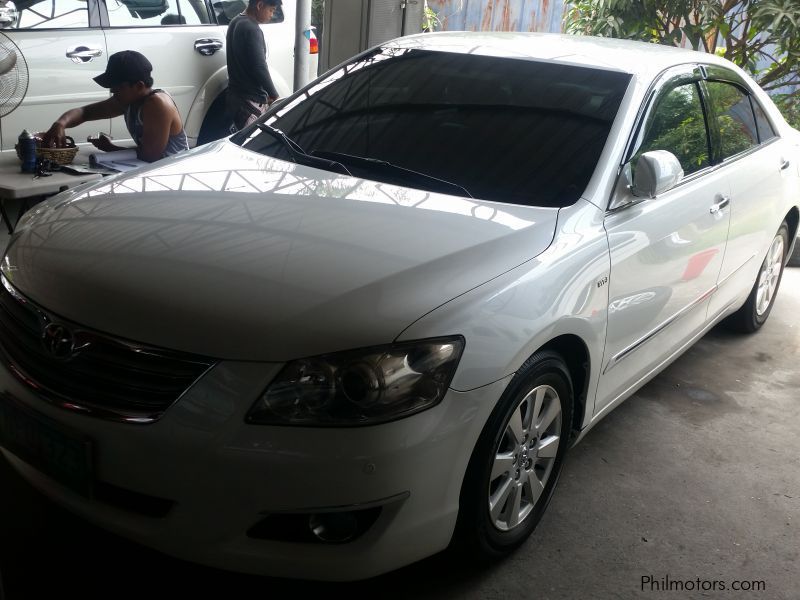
27, 151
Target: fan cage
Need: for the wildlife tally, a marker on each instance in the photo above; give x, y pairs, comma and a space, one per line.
13, 83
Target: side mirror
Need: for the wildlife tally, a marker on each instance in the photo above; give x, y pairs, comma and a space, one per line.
655, 172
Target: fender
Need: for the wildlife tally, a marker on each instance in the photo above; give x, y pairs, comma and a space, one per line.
209, 92
205, 97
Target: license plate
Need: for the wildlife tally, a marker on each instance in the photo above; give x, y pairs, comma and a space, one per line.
57, 452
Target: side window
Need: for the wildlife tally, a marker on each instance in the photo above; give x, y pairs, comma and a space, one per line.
156, 13
44, 14
225, 10
765, 130
678, 125
735, 119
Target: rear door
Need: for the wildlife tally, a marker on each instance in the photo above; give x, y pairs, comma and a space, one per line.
63, 49
179, 37
758, 164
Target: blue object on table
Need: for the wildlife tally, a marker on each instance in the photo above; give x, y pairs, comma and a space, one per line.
27, 151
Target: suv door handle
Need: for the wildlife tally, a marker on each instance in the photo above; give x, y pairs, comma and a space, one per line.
785, 164
715, 208
83, 54
207, 46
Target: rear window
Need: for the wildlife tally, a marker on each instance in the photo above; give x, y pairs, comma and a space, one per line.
510, 130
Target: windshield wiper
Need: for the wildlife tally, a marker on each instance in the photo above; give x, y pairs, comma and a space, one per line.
299, 155
395, 173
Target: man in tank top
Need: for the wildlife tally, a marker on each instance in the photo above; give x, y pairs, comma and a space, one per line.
151, 115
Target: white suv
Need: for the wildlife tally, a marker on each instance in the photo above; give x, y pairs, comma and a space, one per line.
65, 43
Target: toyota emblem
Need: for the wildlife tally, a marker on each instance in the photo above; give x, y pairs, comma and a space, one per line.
59, 341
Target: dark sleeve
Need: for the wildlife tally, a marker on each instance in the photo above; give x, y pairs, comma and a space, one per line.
256, 49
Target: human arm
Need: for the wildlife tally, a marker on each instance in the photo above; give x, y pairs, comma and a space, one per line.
104, 143
256, 51
107, 109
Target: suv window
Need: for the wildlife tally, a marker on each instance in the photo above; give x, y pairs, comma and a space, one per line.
677, 124
510, 130
50, 14
225, 10
735, 119
155, 13
765, 130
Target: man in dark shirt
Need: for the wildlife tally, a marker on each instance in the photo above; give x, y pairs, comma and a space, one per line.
250, 87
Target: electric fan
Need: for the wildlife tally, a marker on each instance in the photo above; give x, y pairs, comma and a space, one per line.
13, 76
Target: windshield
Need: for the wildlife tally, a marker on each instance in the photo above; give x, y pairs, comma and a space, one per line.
505, 129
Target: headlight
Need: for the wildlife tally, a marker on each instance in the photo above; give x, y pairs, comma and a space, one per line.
361, 387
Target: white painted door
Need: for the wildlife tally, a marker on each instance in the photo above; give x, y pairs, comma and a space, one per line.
62, 51
666, 252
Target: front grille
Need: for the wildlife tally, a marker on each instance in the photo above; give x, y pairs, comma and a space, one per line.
97, 374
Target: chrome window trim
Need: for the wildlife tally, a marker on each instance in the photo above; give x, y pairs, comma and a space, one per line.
691, 178
677, 74
668, 78
748, 152
674, 75
747, 92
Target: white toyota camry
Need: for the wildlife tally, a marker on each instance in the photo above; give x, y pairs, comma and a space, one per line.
371, 325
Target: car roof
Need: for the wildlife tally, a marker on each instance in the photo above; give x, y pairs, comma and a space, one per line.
640, 59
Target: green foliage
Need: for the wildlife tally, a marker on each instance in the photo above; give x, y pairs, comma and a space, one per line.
789, 105
678, 125
430, 20
751, 33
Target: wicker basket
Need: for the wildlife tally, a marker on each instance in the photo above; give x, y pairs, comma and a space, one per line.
59, 156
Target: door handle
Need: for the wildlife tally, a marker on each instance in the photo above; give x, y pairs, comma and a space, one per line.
717, 207
207, 46
785, 164
83, 54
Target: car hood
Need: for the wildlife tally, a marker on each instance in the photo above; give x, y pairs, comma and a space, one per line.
231, 254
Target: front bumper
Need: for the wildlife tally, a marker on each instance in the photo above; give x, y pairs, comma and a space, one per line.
220, 476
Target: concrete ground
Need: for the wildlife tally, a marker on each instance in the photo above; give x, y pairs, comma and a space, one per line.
695, 479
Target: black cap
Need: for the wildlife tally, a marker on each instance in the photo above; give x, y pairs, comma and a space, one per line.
127, 66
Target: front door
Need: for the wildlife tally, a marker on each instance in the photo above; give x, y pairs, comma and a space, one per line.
666, 252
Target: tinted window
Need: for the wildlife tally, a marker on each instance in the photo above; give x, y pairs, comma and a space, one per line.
44, 14
765, 130
155, 13
677, 124
225, 10
737, 125
509, 130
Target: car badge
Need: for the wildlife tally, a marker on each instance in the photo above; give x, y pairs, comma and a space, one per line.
59, 341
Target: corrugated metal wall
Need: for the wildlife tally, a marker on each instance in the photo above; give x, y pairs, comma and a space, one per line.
499, 15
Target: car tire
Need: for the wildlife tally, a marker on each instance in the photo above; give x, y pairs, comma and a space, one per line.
516, 463
755, 311
794, 259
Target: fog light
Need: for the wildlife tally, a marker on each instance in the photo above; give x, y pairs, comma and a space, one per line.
334, 527
317, 528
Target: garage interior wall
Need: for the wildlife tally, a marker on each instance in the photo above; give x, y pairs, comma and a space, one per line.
352, 26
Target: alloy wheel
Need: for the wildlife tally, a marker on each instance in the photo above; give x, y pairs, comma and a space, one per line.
525, 457
769, 275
